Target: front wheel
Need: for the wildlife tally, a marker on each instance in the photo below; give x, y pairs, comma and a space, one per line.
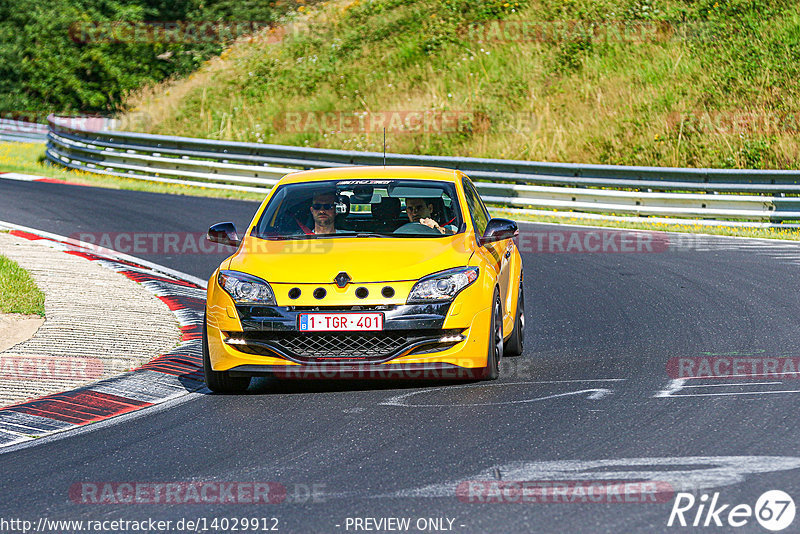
220, 381
492, 369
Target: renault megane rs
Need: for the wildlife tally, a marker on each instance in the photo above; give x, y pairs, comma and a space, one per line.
365, 272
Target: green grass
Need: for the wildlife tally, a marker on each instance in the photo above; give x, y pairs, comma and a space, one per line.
28, 158
18, 291
726, 96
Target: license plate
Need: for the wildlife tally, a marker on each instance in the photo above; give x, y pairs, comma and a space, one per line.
340, 322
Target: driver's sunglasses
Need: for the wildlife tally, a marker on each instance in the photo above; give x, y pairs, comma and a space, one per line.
318, 207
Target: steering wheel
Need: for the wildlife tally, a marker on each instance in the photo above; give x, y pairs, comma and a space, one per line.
416, 228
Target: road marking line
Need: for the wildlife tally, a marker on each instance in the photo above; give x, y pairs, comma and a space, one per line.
595, 394
728, 385
734, 393
672, 386
20, 177
687, 473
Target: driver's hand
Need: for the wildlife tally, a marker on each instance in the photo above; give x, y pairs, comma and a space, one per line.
430, 223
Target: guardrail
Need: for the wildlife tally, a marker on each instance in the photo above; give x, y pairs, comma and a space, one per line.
750, 195
22, 132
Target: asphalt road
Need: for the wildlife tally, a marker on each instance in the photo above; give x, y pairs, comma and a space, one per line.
591, 399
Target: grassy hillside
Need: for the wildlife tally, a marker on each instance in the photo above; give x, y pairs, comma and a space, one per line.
654, 82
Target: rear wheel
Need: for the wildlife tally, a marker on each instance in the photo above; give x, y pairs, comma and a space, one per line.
220, 381
515, 343
492, 369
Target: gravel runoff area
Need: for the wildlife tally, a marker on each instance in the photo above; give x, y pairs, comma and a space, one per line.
98, 323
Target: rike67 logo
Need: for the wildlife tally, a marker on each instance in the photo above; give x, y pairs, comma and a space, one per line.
774, 510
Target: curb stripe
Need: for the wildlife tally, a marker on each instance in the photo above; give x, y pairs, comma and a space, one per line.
26, 235
19, 177
80, 407
167, 376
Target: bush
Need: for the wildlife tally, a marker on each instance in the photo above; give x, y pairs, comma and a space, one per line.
49, 62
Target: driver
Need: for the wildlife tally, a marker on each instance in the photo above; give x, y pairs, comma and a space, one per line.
419, 211
323, 210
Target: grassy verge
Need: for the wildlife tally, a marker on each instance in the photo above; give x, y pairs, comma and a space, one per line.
29, 159
18, 291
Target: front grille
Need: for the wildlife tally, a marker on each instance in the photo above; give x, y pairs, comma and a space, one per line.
338, 347
362, 345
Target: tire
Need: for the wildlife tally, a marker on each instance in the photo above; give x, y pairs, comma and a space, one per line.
492, 369
220, 381
516, 342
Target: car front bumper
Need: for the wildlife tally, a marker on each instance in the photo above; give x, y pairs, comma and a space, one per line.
254, 340
268, 341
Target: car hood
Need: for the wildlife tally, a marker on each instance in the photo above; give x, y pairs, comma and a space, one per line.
365, 259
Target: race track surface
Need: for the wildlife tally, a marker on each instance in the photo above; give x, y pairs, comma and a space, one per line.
593, 398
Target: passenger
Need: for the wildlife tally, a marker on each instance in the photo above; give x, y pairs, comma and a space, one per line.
419, 211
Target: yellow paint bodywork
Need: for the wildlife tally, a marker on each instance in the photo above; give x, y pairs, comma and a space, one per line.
371, 263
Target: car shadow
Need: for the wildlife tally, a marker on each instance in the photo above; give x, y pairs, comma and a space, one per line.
274, 386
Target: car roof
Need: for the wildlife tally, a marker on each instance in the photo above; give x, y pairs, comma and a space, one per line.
379, 172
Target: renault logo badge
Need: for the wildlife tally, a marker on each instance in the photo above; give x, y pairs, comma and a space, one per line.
342, 279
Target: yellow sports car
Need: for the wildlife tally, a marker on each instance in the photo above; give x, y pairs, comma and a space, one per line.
355, 272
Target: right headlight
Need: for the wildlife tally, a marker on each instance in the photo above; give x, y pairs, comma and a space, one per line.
442, 286
246, 289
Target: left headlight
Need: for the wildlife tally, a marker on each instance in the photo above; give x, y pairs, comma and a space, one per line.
442, 286
246, 289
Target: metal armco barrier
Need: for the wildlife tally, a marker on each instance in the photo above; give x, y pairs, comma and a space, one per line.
22, 132
91, 144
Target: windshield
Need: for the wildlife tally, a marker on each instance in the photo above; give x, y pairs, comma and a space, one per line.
363, 207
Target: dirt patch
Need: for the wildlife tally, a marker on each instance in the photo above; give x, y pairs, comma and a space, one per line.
16, 328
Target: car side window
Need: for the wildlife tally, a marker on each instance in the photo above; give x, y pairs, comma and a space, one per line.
479, 213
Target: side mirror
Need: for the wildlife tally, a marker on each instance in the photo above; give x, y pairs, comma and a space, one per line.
498, 230
224, 234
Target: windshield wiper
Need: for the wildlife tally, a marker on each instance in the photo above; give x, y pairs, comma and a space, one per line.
277, 237
324, 236
343, 235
